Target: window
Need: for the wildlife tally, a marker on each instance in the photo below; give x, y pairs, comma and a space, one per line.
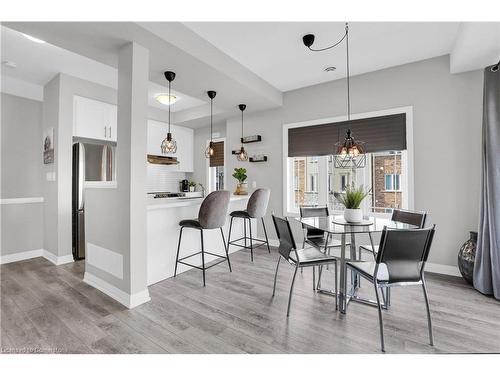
215, 167
315, 180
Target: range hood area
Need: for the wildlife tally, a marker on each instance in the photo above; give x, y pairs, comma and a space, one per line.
165, 160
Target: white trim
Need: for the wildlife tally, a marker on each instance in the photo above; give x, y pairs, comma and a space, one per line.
30, 254
104, 259
21, 200
128, 300
442, 269
408, 111
16, 257
57, 260
100, 185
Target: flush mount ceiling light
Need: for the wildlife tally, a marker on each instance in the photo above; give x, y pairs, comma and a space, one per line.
33, 39
166, 99
242, 155
169, 145
209, 152
349, 153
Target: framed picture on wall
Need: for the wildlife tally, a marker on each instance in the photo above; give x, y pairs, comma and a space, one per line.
48, 146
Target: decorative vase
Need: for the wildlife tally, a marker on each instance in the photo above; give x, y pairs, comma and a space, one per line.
241, 188
466, 257
353, 215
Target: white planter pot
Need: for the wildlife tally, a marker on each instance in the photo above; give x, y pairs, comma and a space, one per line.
353, 215
191, 188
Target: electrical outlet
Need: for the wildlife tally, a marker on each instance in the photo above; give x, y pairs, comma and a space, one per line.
254, 184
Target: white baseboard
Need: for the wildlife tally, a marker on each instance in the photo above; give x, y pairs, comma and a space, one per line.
442, 269
23, 255
128, 300
16, 257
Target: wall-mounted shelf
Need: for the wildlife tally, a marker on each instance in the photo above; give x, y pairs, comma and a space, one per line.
254, 159
251, 139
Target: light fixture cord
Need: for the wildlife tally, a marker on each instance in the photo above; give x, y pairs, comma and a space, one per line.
169, 98
333, 45
242, 125
348, 73
211, 117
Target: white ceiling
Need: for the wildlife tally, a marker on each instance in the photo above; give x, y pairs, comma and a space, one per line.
274, 50
38, 63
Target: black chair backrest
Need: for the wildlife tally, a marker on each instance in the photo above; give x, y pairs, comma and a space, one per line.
306, 211
416, 218
404, 252
285, 236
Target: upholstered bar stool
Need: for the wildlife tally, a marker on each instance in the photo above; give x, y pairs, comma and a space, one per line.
212, 215
256, 209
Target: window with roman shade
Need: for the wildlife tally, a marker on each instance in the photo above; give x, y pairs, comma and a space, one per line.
217, 159
382, 133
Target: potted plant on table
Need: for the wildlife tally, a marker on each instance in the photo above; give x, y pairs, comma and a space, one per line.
241, 175
351, 199
192, 186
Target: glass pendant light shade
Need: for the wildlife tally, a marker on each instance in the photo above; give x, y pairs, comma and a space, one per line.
209, 152
242, 155
169, 145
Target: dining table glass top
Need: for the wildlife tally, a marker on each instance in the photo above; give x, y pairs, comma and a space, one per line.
336, 224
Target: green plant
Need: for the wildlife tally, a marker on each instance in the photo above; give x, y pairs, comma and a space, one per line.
240, 174
192, 183
352, 197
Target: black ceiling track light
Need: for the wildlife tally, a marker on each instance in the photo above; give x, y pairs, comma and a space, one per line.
209, 152
242, 155
348, 153
169, 145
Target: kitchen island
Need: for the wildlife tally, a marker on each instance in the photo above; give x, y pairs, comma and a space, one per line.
163, 218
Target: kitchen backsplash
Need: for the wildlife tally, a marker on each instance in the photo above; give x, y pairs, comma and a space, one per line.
160, 178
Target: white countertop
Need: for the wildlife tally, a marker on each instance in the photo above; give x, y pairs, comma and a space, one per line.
158, 203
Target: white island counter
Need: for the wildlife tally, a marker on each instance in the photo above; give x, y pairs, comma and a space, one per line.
163, 233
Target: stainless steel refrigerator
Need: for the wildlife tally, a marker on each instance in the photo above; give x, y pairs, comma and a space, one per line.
92, 162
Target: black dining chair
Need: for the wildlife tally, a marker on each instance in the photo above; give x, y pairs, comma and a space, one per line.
256, 209
299, 258
400, 262
416, 218
212, 215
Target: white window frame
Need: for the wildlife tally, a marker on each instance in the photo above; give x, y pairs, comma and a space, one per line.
406, 183
209, 181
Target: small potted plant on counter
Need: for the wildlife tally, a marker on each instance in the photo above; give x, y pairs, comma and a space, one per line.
351, 199
192, 186
241, 175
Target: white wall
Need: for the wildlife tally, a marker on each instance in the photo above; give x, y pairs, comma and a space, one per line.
21, 175
447, 134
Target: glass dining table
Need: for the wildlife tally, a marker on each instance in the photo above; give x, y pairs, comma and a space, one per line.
336, 225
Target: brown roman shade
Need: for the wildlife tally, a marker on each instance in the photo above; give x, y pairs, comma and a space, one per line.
217, 159
383, 133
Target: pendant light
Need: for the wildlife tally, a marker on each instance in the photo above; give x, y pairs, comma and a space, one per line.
242, 155
169, 145
209, 152
349, 153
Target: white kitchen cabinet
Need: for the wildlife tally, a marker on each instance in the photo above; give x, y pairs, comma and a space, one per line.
94, 119
157, 131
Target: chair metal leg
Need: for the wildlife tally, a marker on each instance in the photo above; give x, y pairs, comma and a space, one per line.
336, 287
202, 256
381, 323
178, 249
388, 295
429, 322
226, 247
245, 231
291, 290
276, 275
229, 234
314, 278
303, 246
251, 240
265, 234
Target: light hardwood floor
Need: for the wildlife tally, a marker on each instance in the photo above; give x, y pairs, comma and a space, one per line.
45, 308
